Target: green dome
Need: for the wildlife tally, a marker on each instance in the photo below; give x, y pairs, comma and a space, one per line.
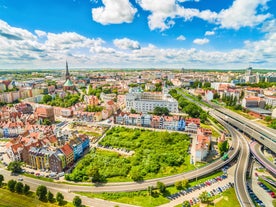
68, 83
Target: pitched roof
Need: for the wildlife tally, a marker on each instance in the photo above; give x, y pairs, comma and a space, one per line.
66, 149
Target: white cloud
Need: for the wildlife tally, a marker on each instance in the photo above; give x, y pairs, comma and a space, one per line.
14, 33
126, 44
201, 41
31, 52
181, 38
114, 12
40, 33
209, 33
242, 13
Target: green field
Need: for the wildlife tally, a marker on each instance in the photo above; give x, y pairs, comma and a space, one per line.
8, 199
157, 154
139, 198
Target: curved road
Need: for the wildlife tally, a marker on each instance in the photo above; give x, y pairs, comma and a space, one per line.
255, 148
240, 173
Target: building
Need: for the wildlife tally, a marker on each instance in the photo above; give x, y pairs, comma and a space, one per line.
43, 112
39, 158
68, 153
202, 146
253, 101
270, 100
68, 85
57, 162
145, 102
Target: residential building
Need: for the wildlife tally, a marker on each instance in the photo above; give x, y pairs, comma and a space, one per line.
68, 153
145, 102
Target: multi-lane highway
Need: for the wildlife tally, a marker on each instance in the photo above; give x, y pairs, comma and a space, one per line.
262, 134
255, 148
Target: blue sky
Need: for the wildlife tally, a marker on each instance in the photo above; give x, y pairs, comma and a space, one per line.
228, 34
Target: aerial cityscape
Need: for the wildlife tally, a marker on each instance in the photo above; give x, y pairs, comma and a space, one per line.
125, 103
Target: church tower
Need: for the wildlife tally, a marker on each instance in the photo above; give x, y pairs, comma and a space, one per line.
67, 74
68, 85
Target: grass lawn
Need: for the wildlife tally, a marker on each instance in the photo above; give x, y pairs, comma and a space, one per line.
140, 198
38, 177
8, 199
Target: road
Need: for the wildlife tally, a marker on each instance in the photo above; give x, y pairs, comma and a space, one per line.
64, 189
255, 148
240, 174
264, 135
243, 160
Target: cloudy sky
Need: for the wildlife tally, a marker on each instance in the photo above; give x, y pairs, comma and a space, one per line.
222, 34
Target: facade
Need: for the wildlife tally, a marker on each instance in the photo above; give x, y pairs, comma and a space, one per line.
56, 162
39, 158
201, 147
271, 101
68, 153
76, 145
145, 102
253, 101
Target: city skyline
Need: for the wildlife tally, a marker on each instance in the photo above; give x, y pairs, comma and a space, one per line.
200, 34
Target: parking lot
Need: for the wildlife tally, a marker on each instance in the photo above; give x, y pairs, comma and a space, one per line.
212, 186
258, 190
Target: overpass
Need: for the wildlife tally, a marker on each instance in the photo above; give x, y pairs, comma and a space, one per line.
256, 151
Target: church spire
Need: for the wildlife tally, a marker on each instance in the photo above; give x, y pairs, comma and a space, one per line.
67, 74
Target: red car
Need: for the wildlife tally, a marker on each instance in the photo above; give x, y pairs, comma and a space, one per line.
272, 194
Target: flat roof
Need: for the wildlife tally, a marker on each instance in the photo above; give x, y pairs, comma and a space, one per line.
259, 110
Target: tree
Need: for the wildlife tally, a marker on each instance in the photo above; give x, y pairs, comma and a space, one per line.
161, 111
161, 187
41, 192
15, 167
223, 147
273, 124
186, 204
178, 185
77, 201
46, 98
11, 185
216, 95
50, 196
150, 188
95, 174
185, 183
46, 122
1, 180
26, 189
133, 111
199, 97
19, 187
135, 174
204, 198
59, 198
268, 118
